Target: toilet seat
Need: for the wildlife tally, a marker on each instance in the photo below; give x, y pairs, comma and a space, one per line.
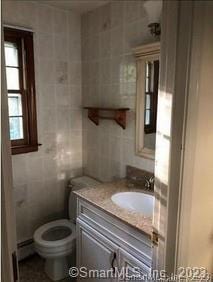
38, 236
57, 247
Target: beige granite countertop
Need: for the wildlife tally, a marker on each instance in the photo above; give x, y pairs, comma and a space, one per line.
100, 196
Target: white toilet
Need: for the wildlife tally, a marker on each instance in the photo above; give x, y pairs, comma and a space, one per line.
55, 241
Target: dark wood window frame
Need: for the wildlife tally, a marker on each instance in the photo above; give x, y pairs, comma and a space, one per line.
24, 42
151, 127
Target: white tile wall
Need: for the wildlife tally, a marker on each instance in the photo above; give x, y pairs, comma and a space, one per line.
40, 177
103, 68
109, 79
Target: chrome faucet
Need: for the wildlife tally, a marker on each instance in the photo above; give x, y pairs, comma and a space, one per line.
149, 182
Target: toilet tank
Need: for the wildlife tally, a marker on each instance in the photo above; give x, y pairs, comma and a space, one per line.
76, 184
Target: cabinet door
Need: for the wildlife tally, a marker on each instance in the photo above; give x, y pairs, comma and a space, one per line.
95, 251
134, 269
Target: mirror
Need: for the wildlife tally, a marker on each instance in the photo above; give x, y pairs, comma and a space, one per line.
150, 103
147, 57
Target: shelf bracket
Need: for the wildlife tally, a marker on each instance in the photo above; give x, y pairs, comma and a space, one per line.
93, 115
120, 118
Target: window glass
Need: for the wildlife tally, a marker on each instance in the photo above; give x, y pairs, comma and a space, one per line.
149, 79
15, 105
147, 84
151, 87
148, 104
11, 54
147, 117
12, 78
147, 69
16, 128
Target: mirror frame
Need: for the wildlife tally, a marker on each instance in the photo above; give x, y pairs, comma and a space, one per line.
143, 53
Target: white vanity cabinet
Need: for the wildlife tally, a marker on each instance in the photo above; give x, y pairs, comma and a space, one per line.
133, 265
105, 242
96, 251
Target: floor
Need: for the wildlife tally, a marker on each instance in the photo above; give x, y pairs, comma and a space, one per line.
32, 270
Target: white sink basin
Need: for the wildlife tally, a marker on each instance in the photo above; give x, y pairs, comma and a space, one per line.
135, 201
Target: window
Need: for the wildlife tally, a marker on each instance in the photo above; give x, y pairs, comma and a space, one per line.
19, 61
151, 96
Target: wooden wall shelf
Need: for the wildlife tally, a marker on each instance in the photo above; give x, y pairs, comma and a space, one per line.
118, 115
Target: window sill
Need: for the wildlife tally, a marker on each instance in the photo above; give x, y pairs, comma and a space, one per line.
24, 149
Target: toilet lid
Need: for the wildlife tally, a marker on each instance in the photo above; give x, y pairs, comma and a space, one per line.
55, 233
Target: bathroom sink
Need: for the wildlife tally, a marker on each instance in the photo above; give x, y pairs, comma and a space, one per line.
135, 201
